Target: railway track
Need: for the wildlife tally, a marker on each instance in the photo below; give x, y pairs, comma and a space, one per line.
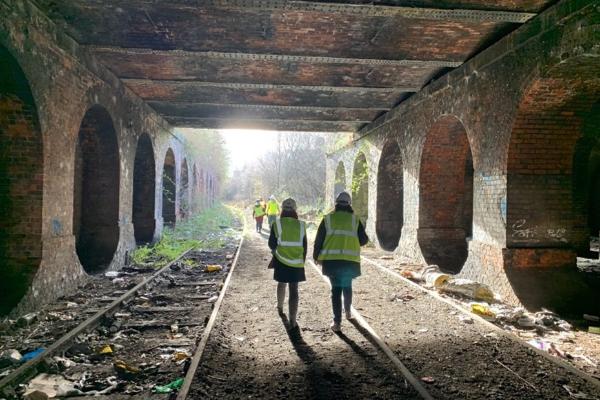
146, 337
370, 334
367, 331
189, 335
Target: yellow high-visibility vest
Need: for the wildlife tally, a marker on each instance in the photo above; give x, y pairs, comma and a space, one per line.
290, 237
259, 211
341, 237
272, 207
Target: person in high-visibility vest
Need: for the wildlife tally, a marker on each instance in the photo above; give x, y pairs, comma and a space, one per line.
288, 243
337, 249
272, 210
258, 213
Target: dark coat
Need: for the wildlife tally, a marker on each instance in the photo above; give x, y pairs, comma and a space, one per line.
339, 271
284, 273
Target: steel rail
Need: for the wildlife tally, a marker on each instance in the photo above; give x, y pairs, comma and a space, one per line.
199, 352
374, 336
30, 367
588, 378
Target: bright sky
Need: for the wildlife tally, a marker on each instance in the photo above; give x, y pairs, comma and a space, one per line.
247, 145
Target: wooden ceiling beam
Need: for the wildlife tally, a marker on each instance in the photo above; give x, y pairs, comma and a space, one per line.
260, 86
217, 55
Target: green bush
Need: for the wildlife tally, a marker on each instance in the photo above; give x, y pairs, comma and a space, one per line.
202, 231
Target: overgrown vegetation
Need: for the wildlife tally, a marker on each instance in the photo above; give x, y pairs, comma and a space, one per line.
207, 145
295, 168
206, 230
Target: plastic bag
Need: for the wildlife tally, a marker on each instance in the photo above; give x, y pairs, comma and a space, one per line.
168, 388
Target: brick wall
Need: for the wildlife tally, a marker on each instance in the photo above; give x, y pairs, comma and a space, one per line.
184, 198
39, 174
522, 116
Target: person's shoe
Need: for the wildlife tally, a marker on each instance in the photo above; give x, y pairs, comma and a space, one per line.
349, 315
293, 325
335, 326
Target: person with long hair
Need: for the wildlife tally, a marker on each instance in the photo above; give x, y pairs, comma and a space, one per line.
288, 244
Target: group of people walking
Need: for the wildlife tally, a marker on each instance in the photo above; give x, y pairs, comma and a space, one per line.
260, 209
337, 249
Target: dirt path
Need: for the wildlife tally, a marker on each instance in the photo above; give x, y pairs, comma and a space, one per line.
251, 355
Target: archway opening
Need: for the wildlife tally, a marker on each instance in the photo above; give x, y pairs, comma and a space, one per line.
593, 198
194, 192
184, 201
96, 191
21, 184
202, 193
552, 190
144, 190
390, 191
210, 191
360, 188
340, 180
169, 190
446, 195
586, 185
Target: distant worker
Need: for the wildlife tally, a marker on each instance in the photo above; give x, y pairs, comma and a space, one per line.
272, 210
258, 213
288, 243
337, 249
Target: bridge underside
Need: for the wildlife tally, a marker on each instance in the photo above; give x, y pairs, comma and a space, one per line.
283, 65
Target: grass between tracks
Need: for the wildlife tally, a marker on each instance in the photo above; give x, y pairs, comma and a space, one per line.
209, 230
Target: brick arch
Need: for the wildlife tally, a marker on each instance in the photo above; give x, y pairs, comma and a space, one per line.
340, 179
96, 191
390, 192
169, 189
21, 183
360, 187
552, 136
446, 195
552, 170
144, 187
184, 202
